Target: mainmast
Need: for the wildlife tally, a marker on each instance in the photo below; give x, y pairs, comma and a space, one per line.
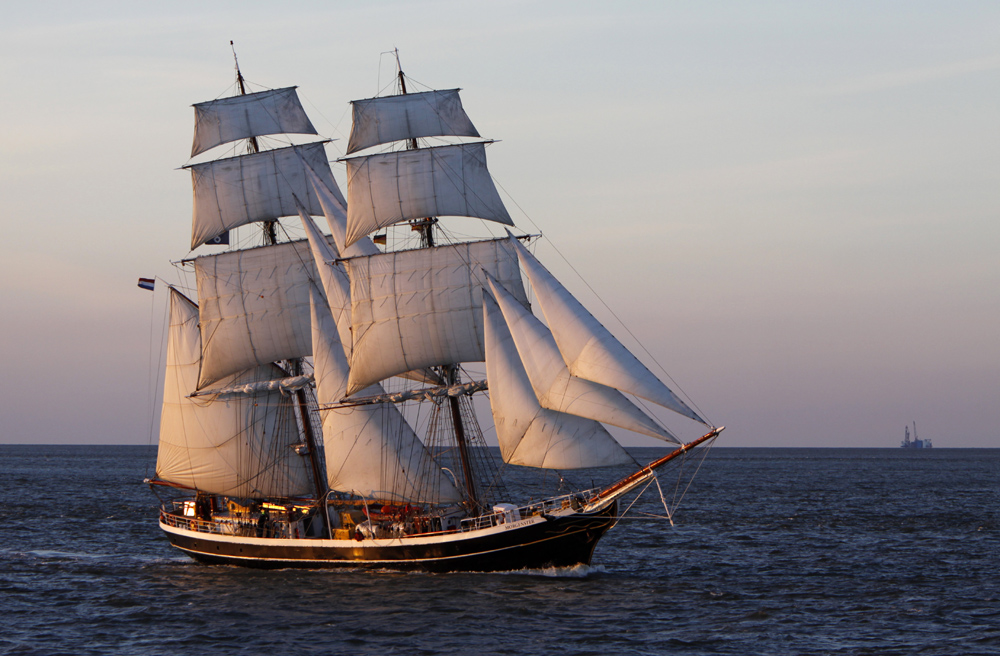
450, 373
423, 225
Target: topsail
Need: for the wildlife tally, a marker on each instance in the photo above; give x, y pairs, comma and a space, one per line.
413, 184
263, 186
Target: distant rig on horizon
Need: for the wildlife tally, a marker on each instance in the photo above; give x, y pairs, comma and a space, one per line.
915, 443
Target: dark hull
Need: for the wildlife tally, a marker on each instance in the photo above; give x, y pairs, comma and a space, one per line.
551, 541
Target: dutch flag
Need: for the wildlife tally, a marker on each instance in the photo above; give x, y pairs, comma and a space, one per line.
147, 283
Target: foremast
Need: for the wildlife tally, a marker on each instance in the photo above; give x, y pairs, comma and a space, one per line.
248, 357
294, 365
253, 147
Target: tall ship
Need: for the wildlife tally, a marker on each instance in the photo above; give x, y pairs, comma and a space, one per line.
320, 395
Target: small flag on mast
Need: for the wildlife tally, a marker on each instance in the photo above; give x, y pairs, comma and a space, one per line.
147, 283
219, 240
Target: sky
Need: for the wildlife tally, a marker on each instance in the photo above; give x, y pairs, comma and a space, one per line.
792, 206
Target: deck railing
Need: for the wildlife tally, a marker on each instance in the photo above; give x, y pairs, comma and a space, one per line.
249, 527
545, 506
229, 526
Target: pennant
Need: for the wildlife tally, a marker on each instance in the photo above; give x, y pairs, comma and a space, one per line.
147, 283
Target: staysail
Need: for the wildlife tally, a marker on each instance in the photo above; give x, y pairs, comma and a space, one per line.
588, 348
336, 217
241, 447
529, 434
555, 387
370, 450
408, 116
337, 287
225, 120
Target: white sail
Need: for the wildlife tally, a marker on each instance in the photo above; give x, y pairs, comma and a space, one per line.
335, 210
260, 187
588, 348
412, 184
336, 284
394, 118
555, 388
240, 447
254, 307
529, 434
423, 308
370, 450
338, 290
251, 115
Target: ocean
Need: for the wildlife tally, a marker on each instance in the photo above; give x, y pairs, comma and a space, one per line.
772, 551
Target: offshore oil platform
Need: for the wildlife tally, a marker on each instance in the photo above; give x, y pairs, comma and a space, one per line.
915, 443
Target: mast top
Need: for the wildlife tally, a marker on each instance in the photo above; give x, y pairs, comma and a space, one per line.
239, 75
399, 72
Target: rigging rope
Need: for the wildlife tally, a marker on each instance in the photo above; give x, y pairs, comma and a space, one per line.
625, 512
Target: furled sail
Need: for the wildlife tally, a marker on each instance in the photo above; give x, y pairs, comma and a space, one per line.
251, 115
409, 116
260, 187
443, 181
254, 307
588, 348
555, 388
423, 308
370, 450
285, 385
529, 434
241, 447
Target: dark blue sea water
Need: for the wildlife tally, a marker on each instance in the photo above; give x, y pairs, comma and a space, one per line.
774, 551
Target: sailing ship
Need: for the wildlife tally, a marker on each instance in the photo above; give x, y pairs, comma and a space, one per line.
298, 381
